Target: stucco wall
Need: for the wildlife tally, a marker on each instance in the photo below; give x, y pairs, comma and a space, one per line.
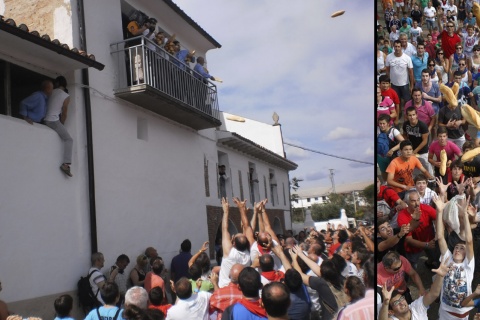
52, 17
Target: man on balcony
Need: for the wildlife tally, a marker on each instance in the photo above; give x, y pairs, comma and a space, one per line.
202, 97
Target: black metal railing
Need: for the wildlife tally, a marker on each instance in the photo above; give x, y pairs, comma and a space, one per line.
140, 61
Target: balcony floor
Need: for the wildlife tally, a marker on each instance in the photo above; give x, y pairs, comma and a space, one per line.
154, 100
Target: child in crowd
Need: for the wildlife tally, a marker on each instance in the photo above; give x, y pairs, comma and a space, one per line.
63, 306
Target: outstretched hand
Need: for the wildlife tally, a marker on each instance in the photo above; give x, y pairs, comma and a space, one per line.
387, 294
443, 268
240, 204
225, 204
442, 187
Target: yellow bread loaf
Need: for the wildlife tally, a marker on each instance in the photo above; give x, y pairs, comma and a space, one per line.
471, 115
443, 162
476, 12
455, 89
449, 96
469, 155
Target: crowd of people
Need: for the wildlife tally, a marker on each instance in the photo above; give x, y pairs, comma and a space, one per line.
323, 274
161, 62
427, 73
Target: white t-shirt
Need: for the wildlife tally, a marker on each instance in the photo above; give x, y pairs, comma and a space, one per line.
234, 257
254, 252
399, 68
415, 32
430, 13
96, 278
55, 104
419, 311
457, 285
410, 50
194, 308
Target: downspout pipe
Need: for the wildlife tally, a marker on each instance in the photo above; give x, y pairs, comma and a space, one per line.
88, 125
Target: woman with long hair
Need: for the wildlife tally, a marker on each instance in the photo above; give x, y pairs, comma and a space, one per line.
442, 65
137, 275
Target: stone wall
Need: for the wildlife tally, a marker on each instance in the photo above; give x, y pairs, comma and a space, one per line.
41, 15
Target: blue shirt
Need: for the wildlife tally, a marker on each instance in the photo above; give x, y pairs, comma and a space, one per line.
201, 70
105, 313
418, 65
34, 106
181, 56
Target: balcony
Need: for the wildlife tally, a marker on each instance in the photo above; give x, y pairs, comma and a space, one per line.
153, 79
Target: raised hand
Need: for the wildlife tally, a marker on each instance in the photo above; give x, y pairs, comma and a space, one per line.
441, 186
225, 204
443, 268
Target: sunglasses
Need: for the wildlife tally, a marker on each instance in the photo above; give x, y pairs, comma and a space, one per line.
431, 65
461, 64
450, 26
397, 302
397, 268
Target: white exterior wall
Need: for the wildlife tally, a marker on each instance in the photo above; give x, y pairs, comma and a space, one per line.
266, 135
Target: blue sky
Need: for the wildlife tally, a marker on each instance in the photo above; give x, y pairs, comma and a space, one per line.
314, 71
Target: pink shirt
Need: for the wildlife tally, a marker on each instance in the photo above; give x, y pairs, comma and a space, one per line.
386, 107
425, 112
451, 149
394, 279
363, 309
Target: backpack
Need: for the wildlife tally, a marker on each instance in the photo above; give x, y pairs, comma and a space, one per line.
382, 206
114, 318
384, 143
340, 298
86, 298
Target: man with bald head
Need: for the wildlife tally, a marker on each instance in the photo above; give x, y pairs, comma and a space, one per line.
226, 296
189, 305
234, 250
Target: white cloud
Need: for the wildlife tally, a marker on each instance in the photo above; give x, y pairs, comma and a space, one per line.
341, 133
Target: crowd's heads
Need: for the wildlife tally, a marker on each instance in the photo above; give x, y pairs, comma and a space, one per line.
276, 299
157, 265
186, 246
151, 252
137, 296
156, 296
240, 242
183, 288
328, 270
369, 273
266, 262
249, 282
354, 288
97, 260
293, 280
63, 305
360, 256
195, 271
391, 262
110, 293
235, 272
122, 261
142, 260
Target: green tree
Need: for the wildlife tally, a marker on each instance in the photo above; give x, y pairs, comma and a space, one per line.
369, 194
331, 209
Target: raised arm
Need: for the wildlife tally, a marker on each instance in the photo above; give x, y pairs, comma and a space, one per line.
278, 250
247, 229
440, 205
462, 208
266, 221
310, 263
297, 267
196, 255
368, 242
436, 287
258, 210
226, 241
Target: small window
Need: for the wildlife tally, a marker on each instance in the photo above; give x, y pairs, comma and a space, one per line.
308, 199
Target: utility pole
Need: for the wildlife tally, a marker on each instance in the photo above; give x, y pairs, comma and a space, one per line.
332, 179
354, 202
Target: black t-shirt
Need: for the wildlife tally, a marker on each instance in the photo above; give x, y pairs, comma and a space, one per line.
415, 134
472, 168
445, 114
416, 15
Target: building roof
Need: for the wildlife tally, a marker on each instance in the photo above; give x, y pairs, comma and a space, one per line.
190, 21
49, 53
324, 191
237, 142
